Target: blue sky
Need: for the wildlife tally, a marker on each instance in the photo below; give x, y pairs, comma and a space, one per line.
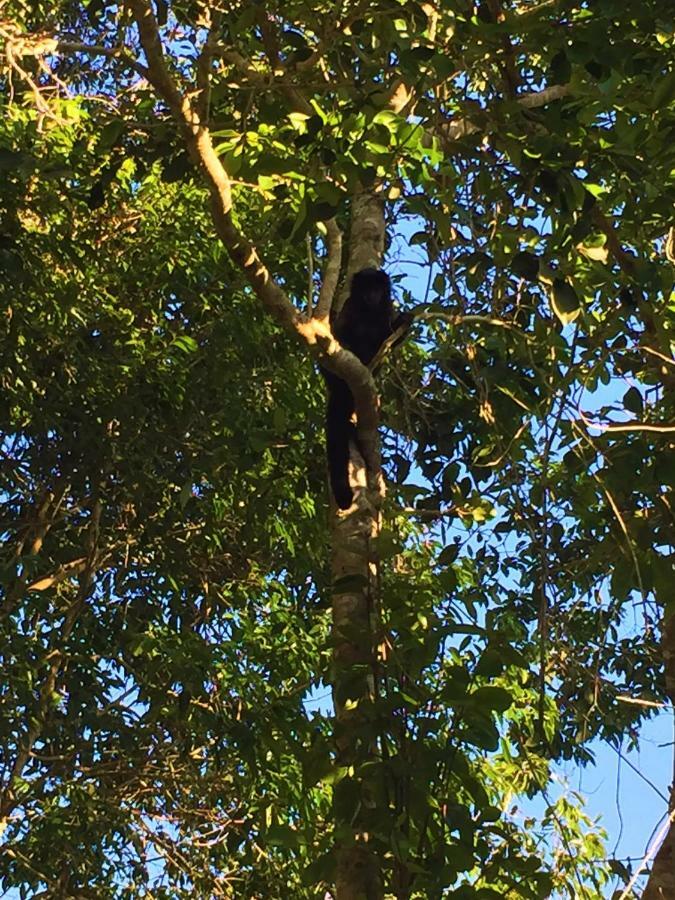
626, 795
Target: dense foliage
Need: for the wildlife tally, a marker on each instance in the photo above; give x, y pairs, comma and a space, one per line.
165, 715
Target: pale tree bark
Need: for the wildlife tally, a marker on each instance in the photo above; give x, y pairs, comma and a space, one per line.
661, 883
355, 604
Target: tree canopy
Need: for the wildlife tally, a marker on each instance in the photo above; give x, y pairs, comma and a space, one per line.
186, 187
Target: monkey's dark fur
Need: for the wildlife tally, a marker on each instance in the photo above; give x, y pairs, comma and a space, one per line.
364, 323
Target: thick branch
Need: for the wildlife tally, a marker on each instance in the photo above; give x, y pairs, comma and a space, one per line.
661, 884
451, 132
541, 98
202, 152
331, 272
67, 570
158, 73
360, 380
366, 238
366, 242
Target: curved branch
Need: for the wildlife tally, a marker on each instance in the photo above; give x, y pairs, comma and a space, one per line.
331, 272
203, 154
450, 132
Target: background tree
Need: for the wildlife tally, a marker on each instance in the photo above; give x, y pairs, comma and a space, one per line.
166, 578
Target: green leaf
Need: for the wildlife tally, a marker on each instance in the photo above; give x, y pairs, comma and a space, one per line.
283, 836
110, 134
11, 160
448, 555
565, 302
490, 664
482, 733
596, 190
299, 121
494, 698
525, 265
664, 91
632, 401
185, 343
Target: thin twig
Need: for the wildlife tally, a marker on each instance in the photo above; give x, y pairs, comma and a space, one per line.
310, 275
652, 850
118, 53
638, 702
631, 426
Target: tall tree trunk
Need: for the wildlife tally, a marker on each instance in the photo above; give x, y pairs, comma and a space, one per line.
356, 797
661, 884
354, 674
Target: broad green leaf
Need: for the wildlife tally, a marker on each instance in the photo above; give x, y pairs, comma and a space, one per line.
525, 265
564, 301
632, 401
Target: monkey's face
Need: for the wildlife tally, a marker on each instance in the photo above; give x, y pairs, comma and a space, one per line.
373, 290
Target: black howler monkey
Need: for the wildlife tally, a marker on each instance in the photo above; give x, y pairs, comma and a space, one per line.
364, 323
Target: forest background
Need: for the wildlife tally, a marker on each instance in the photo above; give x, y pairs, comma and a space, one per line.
215, 685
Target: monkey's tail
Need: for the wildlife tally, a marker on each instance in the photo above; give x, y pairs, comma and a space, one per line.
339, 430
